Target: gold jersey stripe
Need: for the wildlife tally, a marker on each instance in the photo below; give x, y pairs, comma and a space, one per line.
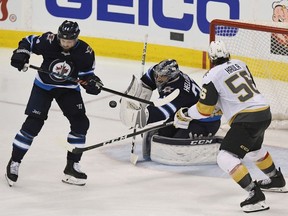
248, 111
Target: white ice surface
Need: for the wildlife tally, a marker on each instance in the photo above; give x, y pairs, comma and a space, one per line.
115, 187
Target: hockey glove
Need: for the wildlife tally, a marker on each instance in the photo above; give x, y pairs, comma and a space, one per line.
181, 118
133, 114
19, 58
94, 85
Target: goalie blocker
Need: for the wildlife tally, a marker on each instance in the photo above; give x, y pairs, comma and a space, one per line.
176, 151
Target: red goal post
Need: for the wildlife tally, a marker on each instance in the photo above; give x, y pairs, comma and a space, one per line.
264, 48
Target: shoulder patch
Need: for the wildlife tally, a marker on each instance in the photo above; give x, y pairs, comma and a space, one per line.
50, 37
89, 50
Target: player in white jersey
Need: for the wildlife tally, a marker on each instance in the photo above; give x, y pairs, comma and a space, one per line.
237, 90
230, 87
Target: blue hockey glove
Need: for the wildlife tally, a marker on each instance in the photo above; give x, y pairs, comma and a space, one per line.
19, 58
94, 85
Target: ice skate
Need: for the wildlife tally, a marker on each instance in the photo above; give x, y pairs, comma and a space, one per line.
274, 184
12, 172
73, 174
255, 201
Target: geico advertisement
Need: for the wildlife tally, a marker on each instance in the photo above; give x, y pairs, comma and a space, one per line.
169, 22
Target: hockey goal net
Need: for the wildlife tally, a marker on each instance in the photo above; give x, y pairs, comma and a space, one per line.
264, 48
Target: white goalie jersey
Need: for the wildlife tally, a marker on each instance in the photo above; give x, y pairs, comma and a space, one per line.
233, 91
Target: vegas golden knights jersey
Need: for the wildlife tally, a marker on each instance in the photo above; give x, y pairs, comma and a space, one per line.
230, 87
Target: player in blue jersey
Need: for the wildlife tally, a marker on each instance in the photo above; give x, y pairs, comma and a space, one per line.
65, 54
165, 77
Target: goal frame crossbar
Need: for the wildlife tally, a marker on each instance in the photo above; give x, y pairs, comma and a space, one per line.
244, 25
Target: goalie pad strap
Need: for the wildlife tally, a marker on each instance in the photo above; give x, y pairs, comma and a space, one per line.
174, 151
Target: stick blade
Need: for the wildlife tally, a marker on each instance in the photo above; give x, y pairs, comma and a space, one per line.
162, 101
133, 158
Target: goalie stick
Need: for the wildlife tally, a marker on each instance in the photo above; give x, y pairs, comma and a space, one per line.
158, 102
133, 156
77, 150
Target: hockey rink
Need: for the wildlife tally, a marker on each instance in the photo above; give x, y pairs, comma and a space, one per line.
115, 187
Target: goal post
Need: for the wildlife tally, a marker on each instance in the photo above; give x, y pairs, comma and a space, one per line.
264, 48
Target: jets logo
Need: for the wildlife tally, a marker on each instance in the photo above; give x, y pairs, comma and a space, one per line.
60, 69
168, 89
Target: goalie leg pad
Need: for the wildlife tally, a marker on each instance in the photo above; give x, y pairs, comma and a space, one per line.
176, 151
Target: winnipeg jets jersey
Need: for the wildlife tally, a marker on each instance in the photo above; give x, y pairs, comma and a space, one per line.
230, 87
189, 95
78, 62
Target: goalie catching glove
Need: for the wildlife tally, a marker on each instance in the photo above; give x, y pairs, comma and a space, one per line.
181, 118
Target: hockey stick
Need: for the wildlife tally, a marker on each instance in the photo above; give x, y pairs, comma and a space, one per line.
133, 156
157, 103
77, 150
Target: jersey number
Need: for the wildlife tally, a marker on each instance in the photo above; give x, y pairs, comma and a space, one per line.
248, 86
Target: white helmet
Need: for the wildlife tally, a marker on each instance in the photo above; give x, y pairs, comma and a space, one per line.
217, 49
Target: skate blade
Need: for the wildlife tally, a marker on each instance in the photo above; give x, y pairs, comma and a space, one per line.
73, 181
10, 182
276, 190
260, 206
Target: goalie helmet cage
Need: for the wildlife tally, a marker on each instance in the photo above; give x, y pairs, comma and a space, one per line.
264, 48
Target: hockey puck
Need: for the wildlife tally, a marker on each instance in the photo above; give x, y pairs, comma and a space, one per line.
112, 104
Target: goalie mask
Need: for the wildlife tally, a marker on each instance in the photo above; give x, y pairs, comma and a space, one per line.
218, 53
165, 71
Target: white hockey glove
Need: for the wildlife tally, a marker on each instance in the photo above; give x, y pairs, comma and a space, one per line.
181, 118
132, 115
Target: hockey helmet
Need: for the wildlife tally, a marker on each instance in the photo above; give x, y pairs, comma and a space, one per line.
217, 50
167, 68
68, 30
